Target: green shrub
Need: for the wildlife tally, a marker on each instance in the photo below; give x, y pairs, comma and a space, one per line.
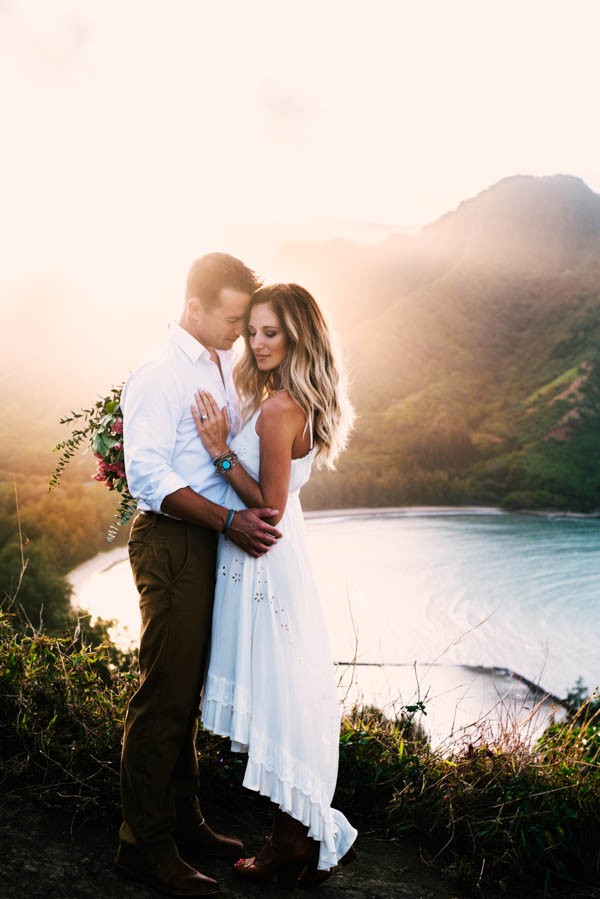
488, 814
375, 754
492, 816
62, 704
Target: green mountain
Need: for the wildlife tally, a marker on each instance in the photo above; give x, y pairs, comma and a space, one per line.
472, 346
474, 352
474, 355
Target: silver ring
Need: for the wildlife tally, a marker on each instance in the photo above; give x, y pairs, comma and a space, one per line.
204, 418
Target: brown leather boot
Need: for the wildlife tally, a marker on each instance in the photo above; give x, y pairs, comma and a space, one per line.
193, 834
164, 871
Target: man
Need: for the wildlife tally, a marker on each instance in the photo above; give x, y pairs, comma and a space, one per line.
172, 550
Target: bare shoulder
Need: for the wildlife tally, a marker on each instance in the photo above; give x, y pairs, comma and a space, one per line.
281, 402
282, 407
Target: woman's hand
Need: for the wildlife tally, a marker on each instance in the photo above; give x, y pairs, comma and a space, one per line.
212, 423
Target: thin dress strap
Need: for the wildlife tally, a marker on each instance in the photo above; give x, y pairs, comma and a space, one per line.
310, 429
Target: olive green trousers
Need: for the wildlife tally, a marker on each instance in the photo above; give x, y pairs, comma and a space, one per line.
173, 566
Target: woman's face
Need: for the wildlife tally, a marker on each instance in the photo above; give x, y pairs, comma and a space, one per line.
268, 341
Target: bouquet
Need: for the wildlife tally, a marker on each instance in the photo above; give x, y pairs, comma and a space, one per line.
100, 429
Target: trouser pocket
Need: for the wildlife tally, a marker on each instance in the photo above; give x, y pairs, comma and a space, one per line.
158, 553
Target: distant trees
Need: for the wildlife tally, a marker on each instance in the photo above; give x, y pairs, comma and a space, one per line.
57, 532
443, 444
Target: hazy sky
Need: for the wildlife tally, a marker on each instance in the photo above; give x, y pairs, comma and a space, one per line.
136, 132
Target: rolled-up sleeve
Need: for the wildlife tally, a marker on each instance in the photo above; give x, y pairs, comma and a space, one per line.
152, 402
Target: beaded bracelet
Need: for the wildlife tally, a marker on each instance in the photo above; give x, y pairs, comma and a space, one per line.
225, 462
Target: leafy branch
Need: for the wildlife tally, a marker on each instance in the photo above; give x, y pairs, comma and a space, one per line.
100, 429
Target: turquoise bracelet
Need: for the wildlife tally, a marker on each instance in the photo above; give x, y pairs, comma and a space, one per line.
230, 515
225, 462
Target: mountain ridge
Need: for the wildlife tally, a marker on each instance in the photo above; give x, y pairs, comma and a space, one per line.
474, 360
505, 303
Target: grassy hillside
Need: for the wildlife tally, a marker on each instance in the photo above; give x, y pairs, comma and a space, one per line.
475, 371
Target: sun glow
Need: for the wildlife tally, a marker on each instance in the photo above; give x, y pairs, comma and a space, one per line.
138, 136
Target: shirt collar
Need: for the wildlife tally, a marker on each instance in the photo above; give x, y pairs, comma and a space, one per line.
190, 346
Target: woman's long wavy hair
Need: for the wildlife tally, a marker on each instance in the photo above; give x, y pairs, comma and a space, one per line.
311, 371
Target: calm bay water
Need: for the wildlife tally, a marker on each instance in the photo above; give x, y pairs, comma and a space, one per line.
428, 601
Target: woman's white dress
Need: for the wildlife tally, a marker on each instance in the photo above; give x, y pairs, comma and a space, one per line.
271, 684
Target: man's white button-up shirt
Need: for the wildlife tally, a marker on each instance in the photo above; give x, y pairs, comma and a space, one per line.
163, 451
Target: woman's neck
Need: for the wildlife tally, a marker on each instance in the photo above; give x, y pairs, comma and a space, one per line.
273, 384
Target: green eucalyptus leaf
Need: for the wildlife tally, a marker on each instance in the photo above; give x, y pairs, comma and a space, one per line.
100, 444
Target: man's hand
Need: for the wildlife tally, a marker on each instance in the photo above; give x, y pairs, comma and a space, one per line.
251, 532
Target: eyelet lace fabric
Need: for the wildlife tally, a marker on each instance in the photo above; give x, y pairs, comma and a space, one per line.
271, 685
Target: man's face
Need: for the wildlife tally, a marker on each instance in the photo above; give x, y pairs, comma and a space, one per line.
221, 324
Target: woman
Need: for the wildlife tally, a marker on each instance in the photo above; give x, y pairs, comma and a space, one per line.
270, 687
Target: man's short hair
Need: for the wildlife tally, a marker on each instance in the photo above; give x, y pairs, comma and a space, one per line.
211, 273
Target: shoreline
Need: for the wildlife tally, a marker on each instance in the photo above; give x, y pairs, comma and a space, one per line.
461, 703
536, 690
495, 672
380, 512
111, 557
95, 566
461, 699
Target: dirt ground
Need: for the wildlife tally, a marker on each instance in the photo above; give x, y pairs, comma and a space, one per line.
46, 854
